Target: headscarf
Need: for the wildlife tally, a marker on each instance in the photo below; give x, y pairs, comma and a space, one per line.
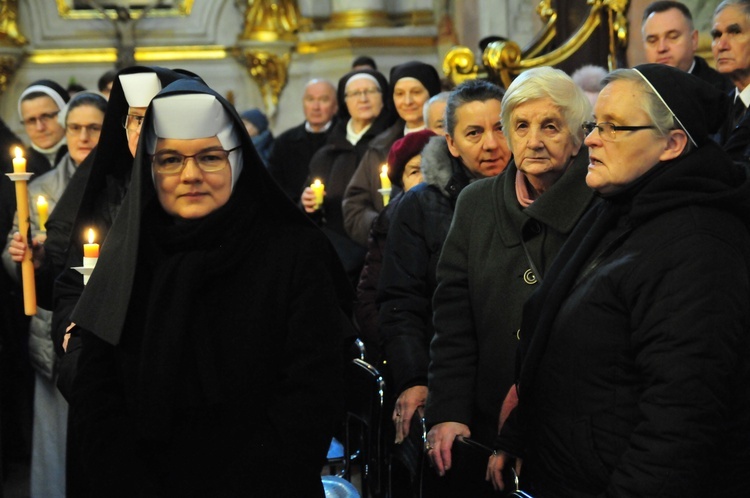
48, 87
254, 194
698, 107
424, 73
386, 116
108, 166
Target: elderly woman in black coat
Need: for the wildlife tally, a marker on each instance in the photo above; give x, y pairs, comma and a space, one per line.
504, 235
635, 374
201, 372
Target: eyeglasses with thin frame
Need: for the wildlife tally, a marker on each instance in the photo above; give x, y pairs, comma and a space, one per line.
208, 160
607, 131
75, 129
358, 94
132, 122
42, 118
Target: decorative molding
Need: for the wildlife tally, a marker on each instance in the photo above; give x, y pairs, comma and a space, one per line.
359, 18
319, 46
67, 10
10, 35
144, 54
414, 18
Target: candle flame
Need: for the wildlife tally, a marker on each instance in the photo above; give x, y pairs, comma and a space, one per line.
41, 201
317, 182
91, 235
384, 169
18, 152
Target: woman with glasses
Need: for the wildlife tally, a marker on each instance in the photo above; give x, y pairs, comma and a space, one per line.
201, 372
635, 372
91, 200
365, 110
82, 122
504, 235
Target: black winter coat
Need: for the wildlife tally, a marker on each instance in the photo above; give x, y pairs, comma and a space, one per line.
290, 157
484, 278
407, 282
635, 382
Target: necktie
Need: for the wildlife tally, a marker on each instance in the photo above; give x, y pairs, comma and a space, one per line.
738, 110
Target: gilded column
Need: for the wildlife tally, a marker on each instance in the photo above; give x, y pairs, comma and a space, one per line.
268, 36
347, 14
11, 41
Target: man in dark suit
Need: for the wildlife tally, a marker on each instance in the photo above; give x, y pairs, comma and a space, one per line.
669, 37
730, 45
291, 153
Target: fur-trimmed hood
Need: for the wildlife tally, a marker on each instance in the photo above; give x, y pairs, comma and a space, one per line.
438, 165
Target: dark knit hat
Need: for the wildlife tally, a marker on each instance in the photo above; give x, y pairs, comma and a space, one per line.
403, 150
698, 107
54, 90
426, 74
257, 118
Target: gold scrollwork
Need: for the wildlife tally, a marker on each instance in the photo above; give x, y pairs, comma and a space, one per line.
270, 72
503, 60
459, 65
8, 66
271, 20
9, 33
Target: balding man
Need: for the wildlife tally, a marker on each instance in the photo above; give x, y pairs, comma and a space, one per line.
293, 149
669, 37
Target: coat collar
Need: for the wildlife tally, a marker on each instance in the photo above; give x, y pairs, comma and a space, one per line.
559, 208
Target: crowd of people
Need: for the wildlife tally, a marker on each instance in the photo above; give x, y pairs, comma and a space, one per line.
553, 276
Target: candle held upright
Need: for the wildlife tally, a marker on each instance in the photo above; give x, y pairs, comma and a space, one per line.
42, 210
385, 184
90, 255
20, 177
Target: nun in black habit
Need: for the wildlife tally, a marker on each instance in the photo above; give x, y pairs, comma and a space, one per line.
211, 325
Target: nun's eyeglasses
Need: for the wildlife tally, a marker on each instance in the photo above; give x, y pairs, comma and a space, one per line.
208, 160
132, 122
607, 131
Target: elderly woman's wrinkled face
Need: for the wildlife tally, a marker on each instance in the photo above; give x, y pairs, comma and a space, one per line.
541, 141
364, 101
478, 139
615, 162
412, 174
192, 193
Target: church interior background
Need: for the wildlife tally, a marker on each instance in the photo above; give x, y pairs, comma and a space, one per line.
260, 53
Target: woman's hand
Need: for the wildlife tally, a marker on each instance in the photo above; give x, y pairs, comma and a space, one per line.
17, 249
410, 401
495, 466
440, 441
308, 200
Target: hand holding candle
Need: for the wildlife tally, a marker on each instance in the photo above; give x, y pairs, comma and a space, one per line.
385, 184
20, 178
42, 209
318, 188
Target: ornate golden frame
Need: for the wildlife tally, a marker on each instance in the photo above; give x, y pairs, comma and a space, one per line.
67, 11
504, 60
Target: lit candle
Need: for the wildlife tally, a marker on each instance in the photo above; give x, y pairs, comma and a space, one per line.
24, 228
385, 184
19, 162
90, 250
318, 187
42, 209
